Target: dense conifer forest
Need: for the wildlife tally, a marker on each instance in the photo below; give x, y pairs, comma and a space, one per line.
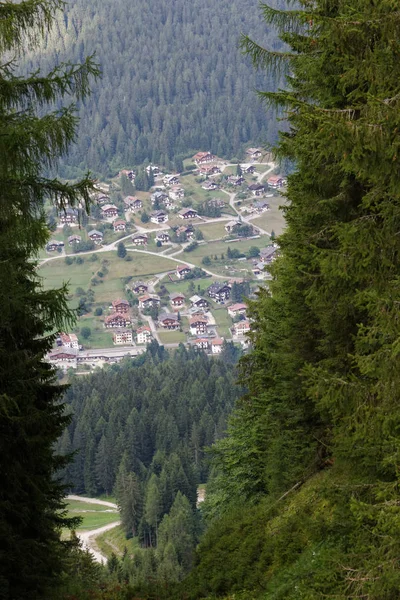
173, 83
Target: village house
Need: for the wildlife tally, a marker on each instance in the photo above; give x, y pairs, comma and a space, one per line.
198, 325
140, 239
74, 239
109, 211
187, 232
54, 245
253, 153
160, 216
182, 271
100, 198
237, 309
209, 170
148, 301
187, 213
66, 356
260, 206
117, 320
143, 335
131, 203
120, 306
258, 271
216, 345
236, 180
138, 287
249, 169
257, 189
232, 225
210, 186
241, 328
170, 180
202, 158
168, 203
68, 216
95, 236
128, 173
177, 299
159, 197
69, 340
119, 225
169, 321
176, 193
163, 237
123, 336
198, 302
156, 170
201, 343
267, 255
276, 181
219, 292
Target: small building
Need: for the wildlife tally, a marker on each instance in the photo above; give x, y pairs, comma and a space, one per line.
232, 225
101, 198
168, 203
96, 236
123, 336
69, 216
236, 180
176, 193
169, 321
258, 271
219, 292
131, 203
159, 197
53, 245
257, 189
202, 158
268, 255
63, 355
117, 320
216, 345
276, 181
261, 206
177, 299
187, 213
143, 335
198, 325
156, 170
208, 170
248, 169
163, 237
186, 232
201, 343
128, 173
170, 180
120, 306
109, 211
237, 309
119, 225
160, 216
254, 153
242, 327
140, 239
210, 186
69, 340
148, 301
139, 287
198, 302
74, 239
182, 271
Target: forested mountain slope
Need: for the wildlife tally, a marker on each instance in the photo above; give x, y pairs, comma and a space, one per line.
174, 80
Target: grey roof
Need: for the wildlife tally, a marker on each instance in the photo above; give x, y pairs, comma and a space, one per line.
267, 252
95, 232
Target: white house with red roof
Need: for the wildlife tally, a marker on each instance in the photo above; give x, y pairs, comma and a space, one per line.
237, 309
216, 345
143, 335
182, 271
203, 157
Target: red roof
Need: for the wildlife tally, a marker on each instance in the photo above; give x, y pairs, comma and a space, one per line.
182, 268
115, 316
217, 342
120, 301
144, 328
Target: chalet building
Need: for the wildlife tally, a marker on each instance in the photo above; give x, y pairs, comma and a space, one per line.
170, 180
69, 216
160, 216
237, 309
101, 198
74, 239
148, 301
216, 345
187, 213
69, 340
117, 320
276, 181
128, 173
249, 169
241, 328
257, 189
131, 203
182, 271
53, 245
139, 287
159, 197
177, 299
219, 292
232, 225
123, 336
261, 206
140, 239
253, 153
198, 325
176, 193
63, 355
163, 237
236, 180
208, 170
109, 211
95, 236
185, 231
143, 335
198, 302
268, 255
201, 343
120, 306
258, 271
156, 170
119, 225
168, 203
210, 186
169, 321
202, 158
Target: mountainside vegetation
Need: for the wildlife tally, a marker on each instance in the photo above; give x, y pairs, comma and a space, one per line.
173, 81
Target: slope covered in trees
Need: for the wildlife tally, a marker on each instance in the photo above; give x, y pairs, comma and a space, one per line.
173, 79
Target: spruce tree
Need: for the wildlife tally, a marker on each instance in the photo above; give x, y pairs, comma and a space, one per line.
31, 414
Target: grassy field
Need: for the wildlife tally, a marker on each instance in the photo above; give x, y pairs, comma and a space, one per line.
115, 541
218, 248
273, 219
223, 321
171, 337
213, 231
93, 515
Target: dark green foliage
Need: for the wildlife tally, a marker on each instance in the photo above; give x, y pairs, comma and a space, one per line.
144, 217
121, 250
86, 332
192, 246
